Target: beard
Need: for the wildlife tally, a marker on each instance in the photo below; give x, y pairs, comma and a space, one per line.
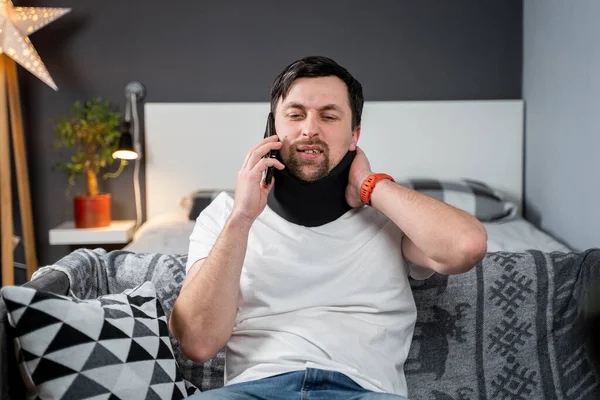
308, 170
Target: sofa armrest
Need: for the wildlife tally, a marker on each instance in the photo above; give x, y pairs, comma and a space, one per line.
56, 282
11, 384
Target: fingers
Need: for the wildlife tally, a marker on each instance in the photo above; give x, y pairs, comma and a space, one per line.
269, 186
253, 149
255, 156
263, 163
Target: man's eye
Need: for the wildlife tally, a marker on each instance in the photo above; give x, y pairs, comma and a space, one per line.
294, 115
330, 117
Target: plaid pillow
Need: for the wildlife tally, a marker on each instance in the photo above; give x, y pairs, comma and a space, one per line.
115, 346
199, 200
474, 197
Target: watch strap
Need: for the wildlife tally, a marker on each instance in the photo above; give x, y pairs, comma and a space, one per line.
369, 184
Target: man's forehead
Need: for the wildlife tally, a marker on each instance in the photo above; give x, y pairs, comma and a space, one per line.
316, 93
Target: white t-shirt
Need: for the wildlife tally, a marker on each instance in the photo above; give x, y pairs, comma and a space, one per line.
333, 297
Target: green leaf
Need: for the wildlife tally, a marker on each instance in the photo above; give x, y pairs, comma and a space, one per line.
90, 133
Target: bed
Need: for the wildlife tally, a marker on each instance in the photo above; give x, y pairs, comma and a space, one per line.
169, 233
192, 147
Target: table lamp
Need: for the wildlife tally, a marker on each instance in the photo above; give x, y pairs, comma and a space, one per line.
129, 147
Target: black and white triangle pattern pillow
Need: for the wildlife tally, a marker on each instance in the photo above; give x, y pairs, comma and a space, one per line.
113, 347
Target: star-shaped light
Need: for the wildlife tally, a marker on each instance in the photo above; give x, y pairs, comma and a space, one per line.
16, 23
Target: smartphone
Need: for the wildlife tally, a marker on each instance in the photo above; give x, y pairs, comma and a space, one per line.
270, 131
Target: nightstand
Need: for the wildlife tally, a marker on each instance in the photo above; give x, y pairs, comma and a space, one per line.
118, 232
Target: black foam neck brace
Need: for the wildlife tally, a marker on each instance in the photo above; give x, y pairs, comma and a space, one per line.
312, 203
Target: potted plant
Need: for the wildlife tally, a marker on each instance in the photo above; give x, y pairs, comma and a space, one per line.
91, 133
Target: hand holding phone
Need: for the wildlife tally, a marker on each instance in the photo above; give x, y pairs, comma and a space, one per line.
270, 131
251, 193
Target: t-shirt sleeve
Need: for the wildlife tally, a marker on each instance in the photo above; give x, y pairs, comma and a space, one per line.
419, 273
207, 229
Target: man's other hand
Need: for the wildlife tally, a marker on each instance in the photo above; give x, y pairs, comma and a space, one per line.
359, 171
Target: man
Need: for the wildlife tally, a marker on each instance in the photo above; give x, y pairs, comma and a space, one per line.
310, 295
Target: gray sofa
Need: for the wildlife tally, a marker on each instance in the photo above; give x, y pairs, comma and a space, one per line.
508, 329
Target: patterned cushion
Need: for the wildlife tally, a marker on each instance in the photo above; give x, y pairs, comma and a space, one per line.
117, 344
96, 273
474, 197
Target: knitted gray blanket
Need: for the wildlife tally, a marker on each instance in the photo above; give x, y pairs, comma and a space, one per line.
508, 329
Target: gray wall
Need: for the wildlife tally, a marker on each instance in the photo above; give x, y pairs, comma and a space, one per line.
186, 51
561, 87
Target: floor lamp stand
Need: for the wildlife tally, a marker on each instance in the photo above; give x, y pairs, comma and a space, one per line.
10, 103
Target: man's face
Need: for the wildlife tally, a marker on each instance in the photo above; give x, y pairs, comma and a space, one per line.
314, 122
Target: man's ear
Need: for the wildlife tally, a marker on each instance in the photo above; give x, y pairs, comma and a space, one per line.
355, 136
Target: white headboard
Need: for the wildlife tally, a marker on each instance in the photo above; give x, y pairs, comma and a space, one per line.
193, 146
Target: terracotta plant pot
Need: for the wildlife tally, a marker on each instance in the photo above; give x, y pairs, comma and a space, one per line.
92, 211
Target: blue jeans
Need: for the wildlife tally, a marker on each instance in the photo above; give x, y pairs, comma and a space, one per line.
310, 384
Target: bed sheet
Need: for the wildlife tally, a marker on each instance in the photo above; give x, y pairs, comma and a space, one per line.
517, 235
170, 234
167, 234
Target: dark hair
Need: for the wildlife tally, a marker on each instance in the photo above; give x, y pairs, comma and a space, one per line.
313, 67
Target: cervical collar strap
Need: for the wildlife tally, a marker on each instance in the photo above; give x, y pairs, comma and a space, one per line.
312, 203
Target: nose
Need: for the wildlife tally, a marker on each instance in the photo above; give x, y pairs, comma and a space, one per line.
310, 126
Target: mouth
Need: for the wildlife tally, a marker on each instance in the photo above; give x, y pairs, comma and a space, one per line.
308, 153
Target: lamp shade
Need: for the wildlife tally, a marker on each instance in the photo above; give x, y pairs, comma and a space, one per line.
125, 151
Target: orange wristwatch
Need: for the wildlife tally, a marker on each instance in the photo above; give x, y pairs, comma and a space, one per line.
369, 184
